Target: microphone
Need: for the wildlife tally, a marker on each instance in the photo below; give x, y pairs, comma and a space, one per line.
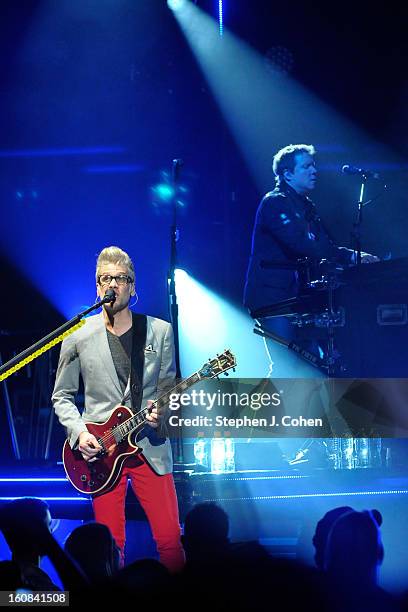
348, 169
110, 296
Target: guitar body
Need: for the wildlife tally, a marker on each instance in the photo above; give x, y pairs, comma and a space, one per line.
96, 477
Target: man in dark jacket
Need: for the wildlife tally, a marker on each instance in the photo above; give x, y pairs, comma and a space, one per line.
287, 231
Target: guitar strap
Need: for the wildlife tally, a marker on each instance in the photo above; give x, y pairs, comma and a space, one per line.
135, 383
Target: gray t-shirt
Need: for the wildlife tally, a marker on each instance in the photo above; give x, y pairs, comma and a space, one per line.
121, 351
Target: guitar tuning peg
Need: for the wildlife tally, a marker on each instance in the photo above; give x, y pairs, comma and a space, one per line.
226, 373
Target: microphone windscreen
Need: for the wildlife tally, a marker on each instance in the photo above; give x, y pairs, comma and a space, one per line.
110, 295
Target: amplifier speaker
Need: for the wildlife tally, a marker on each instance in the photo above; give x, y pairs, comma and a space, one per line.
373, 342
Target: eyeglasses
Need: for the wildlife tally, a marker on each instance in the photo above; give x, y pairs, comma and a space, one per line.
121, 279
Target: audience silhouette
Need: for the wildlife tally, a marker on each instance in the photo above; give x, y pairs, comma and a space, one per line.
25, 524
94, 550
348, 556
353, 555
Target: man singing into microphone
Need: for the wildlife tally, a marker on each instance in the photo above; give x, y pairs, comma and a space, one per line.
288, 230
124, 359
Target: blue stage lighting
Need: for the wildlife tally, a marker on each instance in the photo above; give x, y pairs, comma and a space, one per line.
257, 478
308, 495
53, 499
222, 455
218, 455
176, 5
60, 152
163, 192
201, 452
209, 323
114, 169
221, 17
33, 480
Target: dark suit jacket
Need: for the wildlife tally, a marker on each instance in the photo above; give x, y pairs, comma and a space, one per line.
287, 228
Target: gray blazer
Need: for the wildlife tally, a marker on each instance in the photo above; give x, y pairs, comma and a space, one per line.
86, 352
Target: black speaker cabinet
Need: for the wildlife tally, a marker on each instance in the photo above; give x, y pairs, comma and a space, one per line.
372, 336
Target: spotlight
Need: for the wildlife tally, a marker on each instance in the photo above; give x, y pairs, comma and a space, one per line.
176, 5
181, 275
162, 192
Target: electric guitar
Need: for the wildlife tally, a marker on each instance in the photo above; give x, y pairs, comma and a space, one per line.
116, 435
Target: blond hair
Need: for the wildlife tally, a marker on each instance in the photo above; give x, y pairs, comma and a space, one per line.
114, 255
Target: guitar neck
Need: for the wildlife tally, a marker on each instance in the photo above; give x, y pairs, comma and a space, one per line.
138, 420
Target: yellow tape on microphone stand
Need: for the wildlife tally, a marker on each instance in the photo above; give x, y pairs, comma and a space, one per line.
40, 351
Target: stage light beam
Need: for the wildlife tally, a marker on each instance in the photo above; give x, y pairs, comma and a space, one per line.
280, 109
209, 324
176, 5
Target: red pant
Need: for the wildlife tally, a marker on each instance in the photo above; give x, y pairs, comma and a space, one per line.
157, 495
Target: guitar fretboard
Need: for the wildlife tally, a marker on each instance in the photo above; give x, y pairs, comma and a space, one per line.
138, 420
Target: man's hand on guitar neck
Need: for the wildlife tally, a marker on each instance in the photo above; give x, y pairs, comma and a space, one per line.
153, 418
88, 446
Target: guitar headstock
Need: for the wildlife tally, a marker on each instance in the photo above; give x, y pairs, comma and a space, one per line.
220, 364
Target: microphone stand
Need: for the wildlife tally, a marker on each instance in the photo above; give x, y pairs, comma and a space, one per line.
357, 226
174, 236
34, 351
171, 287
43, 345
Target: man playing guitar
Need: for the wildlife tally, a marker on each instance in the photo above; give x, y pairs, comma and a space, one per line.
124, 359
